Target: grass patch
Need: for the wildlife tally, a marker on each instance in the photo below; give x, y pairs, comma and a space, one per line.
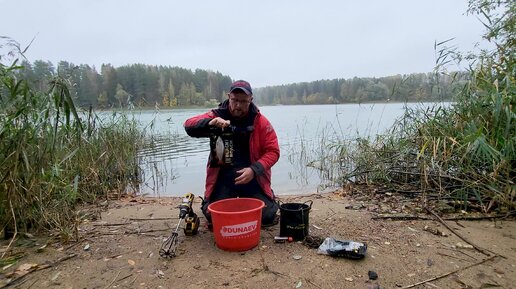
465, 153
54, 157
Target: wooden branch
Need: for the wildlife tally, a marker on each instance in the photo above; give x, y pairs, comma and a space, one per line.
481, 250
152, 219
451, 256
465, 254
430, 175
144, 233
311, 282
112, 225
449, 273
416, 217
355, 173
400, 217
476, 218
413, 192
123, 278
399, 190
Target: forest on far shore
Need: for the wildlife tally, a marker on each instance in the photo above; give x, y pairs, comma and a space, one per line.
141, 85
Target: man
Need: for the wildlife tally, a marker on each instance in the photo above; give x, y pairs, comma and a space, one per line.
244, 147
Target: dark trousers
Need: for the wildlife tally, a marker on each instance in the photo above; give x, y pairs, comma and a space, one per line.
225, 188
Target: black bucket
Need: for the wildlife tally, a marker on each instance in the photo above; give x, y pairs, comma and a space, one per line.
294, 220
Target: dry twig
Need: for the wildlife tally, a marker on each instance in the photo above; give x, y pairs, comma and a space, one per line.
113, 281
152, 219
481, 250
125, 277
311, 282
400, 217
449, 273
476, 218
451, 256
111, 225
416, 217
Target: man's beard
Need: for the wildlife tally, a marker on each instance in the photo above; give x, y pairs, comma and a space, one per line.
238, 113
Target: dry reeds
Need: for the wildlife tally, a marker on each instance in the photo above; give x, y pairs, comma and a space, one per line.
464, 153
53, 157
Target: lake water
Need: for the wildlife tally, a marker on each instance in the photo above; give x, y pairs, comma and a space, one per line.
175, 163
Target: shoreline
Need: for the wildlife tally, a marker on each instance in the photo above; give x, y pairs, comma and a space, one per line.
118, 247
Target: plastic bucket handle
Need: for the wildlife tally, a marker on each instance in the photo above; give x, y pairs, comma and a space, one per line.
305, 203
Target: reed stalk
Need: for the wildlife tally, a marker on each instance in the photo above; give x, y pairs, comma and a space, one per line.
54, 157
465, 152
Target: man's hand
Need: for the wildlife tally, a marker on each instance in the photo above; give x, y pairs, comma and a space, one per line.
219, 122
246, 175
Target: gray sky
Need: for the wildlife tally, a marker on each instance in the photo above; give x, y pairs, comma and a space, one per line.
266, 42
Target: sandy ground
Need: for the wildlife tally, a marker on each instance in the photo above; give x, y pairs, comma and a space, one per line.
119, 249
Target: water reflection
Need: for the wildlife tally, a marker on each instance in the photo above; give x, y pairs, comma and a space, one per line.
175, 163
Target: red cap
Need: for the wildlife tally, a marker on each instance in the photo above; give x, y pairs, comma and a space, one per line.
242, 85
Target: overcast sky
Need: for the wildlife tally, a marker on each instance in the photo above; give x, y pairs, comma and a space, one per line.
267, 42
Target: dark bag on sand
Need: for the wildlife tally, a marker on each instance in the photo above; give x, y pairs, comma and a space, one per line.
340, 248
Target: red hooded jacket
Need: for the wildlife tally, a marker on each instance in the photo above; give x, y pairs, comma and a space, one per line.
263, 147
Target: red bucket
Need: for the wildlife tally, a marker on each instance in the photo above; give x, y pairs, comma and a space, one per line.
236, 223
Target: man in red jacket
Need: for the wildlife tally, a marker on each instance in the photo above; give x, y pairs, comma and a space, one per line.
244, 147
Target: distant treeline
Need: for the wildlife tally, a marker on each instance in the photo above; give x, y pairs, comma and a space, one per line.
132, 85
144, 85
411, 87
